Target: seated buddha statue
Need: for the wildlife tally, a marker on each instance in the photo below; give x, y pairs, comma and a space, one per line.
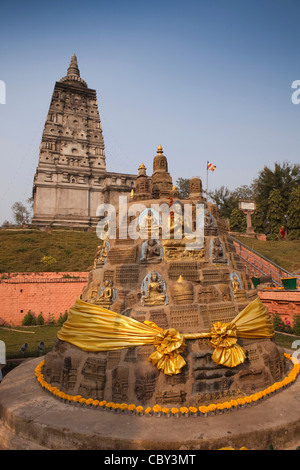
152, 251
106, 296
149, 224
155, 292
238, 293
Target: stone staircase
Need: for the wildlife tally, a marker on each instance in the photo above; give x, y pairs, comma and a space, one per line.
257, 265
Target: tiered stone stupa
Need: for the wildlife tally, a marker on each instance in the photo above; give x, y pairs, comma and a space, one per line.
163, 282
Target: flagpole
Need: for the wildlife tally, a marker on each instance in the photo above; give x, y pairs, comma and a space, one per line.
206, 180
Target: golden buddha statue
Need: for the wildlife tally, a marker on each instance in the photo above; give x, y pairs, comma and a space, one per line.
238, 293
155, 292
106, 297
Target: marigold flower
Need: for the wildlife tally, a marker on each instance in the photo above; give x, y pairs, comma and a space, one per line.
203, 409
184, 410
139, 409
193, 409
156, 408
166, 410
174, 410
212, 407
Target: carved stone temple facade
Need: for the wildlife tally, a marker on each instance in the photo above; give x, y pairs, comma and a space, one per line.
71, 180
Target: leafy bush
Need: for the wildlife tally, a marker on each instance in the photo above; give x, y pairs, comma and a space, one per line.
296, 325
29, 319
62, 318
48, 260
285, 326
40, 319
51, 319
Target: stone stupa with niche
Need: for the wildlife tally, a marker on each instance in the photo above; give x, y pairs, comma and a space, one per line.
159, 280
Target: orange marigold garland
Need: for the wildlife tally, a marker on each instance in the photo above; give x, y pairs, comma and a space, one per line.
203, 410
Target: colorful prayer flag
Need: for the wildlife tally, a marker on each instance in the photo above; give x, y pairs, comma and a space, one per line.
210, 166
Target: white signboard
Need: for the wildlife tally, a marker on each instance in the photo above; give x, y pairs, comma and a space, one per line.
247, 206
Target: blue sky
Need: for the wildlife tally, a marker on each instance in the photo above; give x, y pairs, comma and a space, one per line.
207, 79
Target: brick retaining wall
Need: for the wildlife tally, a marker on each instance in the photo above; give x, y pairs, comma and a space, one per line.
283, 302
53, 293
39, 292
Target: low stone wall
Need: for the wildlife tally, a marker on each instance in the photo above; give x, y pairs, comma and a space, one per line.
282, 302
39, 292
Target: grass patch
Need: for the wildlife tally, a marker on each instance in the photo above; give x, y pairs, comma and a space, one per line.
285, 341
285, 253
22, 251
14, 338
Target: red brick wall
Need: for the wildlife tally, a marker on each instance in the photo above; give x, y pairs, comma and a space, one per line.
38, 292
52, 293
284, 303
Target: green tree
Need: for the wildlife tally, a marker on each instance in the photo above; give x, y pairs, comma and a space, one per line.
293, 214
21, 213
226, 200
258, 222
222, 197
183, 186
284, 177
237, 221
275, 213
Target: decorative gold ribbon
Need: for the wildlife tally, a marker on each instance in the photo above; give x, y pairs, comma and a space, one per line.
93, 328
169, 344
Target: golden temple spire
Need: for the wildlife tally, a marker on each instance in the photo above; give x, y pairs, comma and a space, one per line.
159, 149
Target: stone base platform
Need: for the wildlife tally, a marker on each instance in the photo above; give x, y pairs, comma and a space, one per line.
31, 419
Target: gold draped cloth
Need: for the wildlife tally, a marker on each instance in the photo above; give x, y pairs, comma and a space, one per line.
94, 328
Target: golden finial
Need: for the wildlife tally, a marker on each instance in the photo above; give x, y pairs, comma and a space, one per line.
159, 149
132, 193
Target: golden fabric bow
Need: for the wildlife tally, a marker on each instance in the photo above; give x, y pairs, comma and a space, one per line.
93, 328
169, 344
226, 350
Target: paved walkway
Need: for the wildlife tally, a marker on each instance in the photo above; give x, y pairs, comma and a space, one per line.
33, 419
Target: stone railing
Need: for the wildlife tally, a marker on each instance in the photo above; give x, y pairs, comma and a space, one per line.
258, 265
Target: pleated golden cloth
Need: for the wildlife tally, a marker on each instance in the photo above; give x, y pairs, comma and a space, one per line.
93, 328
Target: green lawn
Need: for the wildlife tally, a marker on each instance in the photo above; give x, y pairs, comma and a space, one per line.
285, 253
14, 338
22, 251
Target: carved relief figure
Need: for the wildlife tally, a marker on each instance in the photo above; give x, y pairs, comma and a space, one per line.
151, 251
156, 291
217, 252
238, 293
149, 222
101, 255
106, 296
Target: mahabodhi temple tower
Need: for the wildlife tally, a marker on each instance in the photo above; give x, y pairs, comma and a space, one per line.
71, 180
